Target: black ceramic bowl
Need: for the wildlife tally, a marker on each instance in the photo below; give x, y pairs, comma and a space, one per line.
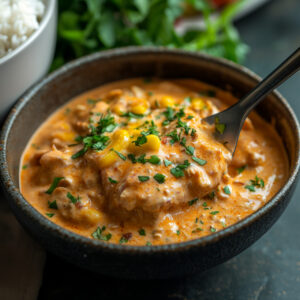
144, 261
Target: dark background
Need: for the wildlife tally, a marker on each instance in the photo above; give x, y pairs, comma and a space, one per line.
270, 269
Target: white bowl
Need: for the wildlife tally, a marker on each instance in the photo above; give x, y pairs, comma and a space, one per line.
25, 65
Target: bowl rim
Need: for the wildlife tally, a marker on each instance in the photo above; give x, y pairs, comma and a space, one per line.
72, 237
49, 11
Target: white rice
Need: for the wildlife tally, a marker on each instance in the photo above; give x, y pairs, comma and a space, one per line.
18, 20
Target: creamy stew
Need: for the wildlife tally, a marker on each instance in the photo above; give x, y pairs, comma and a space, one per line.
131, 162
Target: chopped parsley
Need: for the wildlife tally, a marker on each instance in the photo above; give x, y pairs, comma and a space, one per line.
155, 160
199, 161
142, 232
119, 154
178, 171
98, 234
25, 167
241, 169
143, 178
73, 199
151, 128
50, 215
211, 195
111, 180
54, 185
96, 140
190, 150
160, 178
226, 190
167, 162
148, 244
125, 238
213, 229
257, 182
178, 232
192, 202
131, 115
198, 229
132, 158
52, 204
214, 212
220, 127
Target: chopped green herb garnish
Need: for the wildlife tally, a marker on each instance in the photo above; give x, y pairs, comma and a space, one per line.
50, 215
190, 150
167, 162
192, 202
141, 159
189, 117
198, 229
131, 115
226, 190
256, 182
143, 178
160, 178
54, 185
211, 195
214, 212
241, 169
148, 244
119, 154
155, 160
98, 234
141, 140
199, 161
213, 229
92, 101
178, 171
132, 158
220, 127
142, 232
72, 198
25, 167
52, 204
204, 204
111, 180
178, 232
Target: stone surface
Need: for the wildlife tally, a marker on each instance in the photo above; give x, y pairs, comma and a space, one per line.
268, 270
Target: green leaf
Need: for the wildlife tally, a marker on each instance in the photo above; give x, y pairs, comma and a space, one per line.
142, 232
52, 204
111, 180
143, 178
106, 29
199, 161
226, 190
73, 199
160, 178
50, 215
54, 185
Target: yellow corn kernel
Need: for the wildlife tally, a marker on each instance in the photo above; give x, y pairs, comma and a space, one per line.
152, 144
90, 215
197, 103
139, 109
119, 141
65, 136
118, 109
166, 101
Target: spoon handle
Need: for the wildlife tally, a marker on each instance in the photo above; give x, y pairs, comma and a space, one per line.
279, 75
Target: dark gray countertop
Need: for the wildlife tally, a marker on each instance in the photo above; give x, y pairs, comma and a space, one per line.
268, 270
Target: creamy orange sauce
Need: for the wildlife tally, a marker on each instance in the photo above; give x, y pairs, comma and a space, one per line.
131, 162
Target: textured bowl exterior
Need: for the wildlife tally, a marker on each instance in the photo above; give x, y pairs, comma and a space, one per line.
28, 63
142, 262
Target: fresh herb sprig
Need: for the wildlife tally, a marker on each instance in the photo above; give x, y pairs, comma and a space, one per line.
86, 26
